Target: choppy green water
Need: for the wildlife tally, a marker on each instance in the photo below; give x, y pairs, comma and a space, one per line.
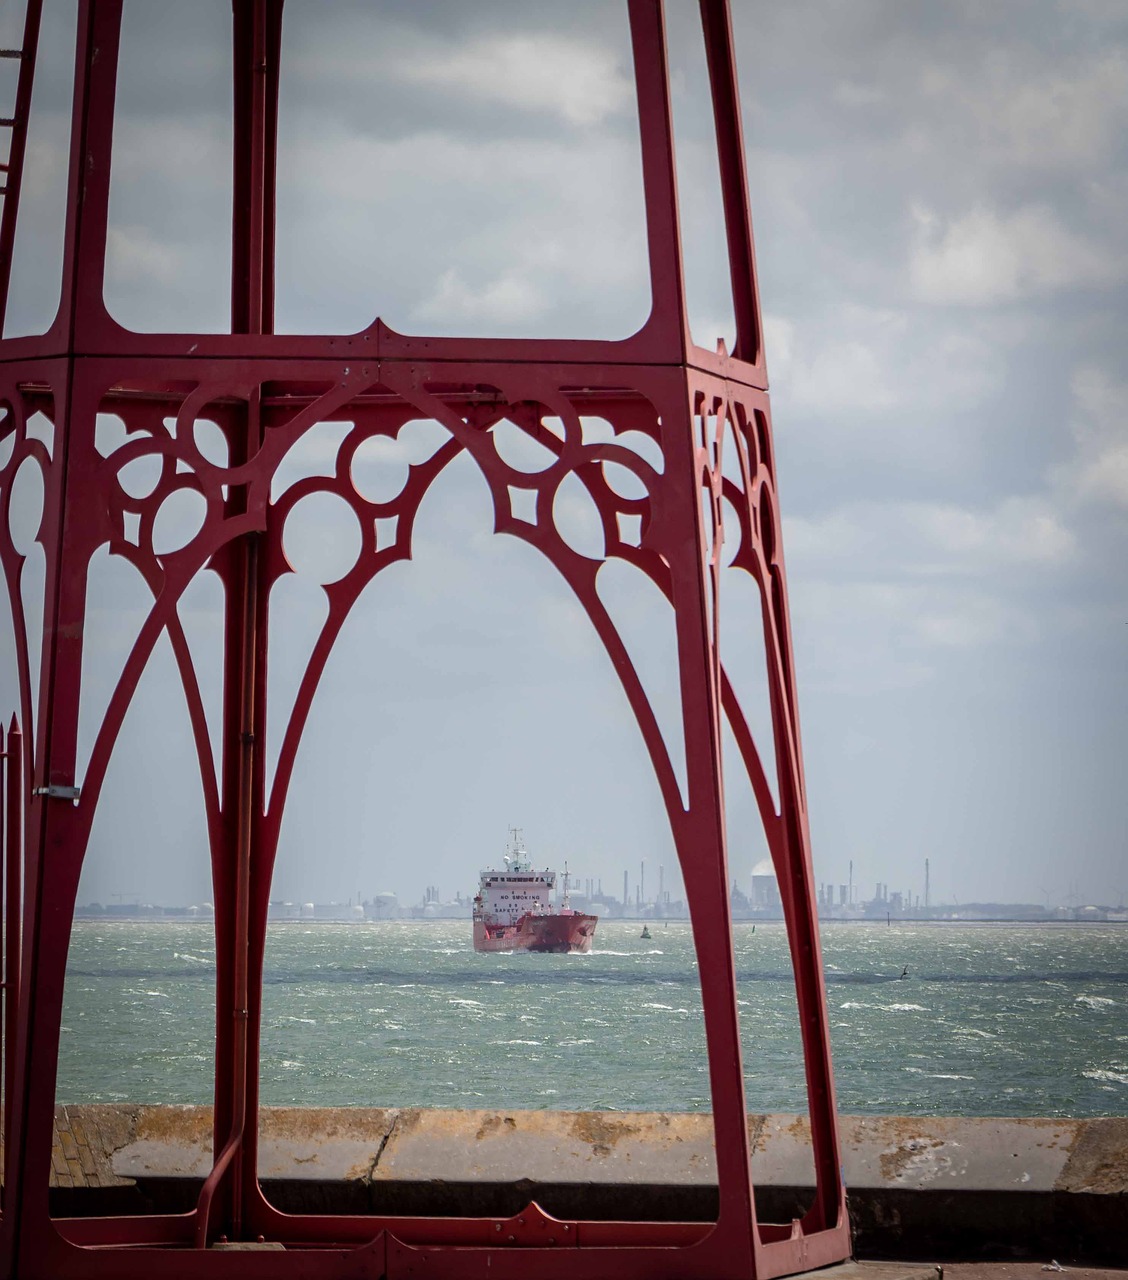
992, 1020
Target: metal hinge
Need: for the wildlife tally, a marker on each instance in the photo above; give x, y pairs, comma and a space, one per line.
58, 793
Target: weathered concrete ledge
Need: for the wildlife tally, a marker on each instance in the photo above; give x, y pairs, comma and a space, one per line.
918, 1187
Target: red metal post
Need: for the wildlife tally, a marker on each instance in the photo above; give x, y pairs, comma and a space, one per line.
721, 60
5, 1018
11, 171
13, 875
265, 391
5, 1012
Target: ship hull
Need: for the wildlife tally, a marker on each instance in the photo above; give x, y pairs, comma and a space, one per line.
553, 933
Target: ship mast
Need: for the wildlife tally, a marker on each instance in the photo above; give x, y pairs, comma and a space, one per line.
517, 857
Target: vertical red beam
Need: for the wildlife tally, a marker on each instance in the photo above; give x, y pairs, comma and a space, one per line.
13, 171
656, 133
258, 32
5, 1018
261, 846
232, 1068
53, 843
257, 39
800, 912
796, 878
701, 844
257, 49
13, 866
5, 1014
720, 57
82, 311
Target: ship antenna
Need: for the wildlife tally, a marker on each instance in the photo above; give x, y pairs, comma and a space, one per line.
567, 894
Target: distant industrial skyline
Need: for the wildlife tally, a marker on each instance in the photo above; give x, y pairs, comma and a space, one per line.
845, 900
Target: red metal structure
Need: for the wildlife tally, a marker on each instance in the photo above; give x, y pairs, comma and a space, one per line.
708, 413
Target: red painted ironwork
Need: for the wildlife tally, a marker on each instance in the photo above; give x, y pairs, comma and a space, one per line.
15, 125
11, 797
708, 414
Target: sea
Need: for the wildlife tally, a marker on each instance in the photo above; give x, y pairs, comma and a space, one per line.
989, 1019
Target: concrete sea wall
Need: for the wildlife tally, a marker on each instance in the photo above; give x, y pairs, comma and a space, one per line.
918, 1187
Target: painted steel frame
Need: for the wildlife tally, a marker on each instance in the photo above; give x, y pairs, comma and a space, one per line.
707, 410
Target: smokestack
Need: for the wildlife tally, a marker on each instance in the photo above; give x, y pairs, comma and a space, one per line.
625, 898
661, 871
927, 887
642, 882
850, 899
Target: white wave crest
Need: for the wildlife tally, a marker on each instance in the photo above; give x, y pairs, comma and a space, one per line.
1094, 1002
1112, 1077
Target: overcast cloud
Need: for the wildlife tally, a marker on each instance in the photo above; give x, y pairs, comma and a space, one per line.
939, 193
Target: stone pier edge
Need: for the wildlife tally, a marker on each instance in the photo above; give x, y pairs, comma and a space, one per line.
936, 1187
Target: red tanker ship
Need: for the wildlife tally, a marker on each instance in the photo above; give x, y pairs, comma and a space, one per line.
513, 910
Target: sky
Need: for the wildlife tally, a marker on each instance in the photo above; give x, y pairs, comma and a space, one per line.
938, 193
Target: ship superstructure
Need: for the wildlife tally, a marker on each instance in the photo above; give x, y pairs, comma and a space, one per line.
513, 909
